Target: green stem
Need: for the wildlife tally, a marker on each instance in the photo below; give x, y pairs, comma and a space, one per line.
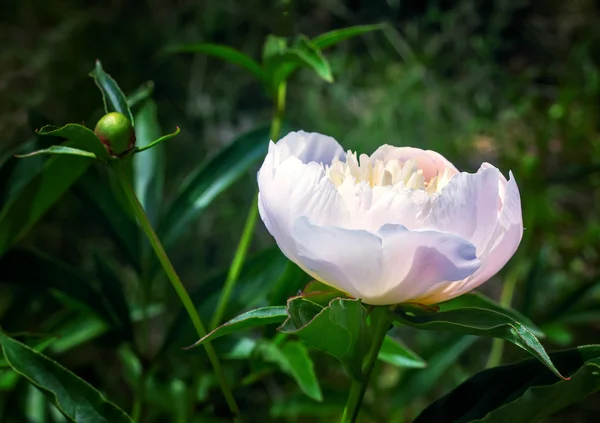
161, 254
242, 249
380, 322
508, 290
237, 263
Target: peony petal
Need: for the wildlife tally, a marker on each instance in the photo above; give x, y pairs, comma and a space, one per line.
309, 147
292, 190
346, 259
468, 207
430, 162
416, 261
502, 245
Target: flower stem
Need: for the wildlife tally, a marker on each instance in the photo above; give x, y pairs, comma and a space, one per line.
159, 250
237, 263
242, 249
380, 322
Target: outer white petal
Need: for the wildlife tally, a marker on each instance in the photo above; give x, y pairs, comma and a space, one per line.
468, 207
292, 183
346, 259
416, 261
296, 190
396, 266
308, 147
502, 245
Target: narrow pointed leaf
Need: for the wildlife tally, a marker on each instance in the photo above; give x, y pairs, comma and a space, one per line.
482, 322
79, 137
254, 318
38, 194
312, 57
112, 95
479, 301
395, 353
158, 141
60, 150
76, 399
210, 179
519, 393
226, 53
149, 167
293, 359
331, 38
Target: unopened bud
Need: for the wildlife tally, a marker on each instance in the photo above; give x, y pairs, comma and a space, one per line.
116, 133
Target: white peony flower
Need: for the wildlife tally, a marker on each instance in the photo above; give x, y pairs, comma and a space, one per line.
401, 225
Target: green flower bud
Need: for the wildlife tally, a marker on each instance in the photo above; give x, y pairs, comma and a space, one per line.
116, 133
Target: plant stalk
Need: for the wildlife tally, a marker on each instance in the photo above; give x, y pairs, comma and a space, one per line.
165, 262
242, 249
381, 317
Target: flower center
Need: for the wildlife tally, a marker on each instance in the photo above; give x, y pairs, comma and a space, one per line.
380, 173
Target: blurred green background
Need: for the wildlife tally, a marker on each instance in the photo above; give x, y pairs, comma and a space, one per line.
513, 83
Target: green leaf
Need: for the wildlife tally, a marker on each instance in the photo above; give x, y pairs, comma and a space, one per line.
479, 301
251, 319
293, 359
111, 285
45, 187
339, 329
482, 322
158, 141
140, 95
210, 179
395, 353
226, 53
279, 67
78, 137
75, 398
75, 329
112, 96
311, 56
149, 167
60, 150
520, 393
333, 37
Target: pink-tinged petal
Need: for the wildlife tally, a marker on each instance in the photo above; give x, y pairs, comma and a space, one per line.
430, 162
416, 261
502, 245
396, 205
468, 207
292, 190
309, 147
346, 259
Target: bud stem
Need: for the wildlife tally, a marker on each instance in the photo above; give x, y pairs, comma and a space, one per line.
164, 260
381, 318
